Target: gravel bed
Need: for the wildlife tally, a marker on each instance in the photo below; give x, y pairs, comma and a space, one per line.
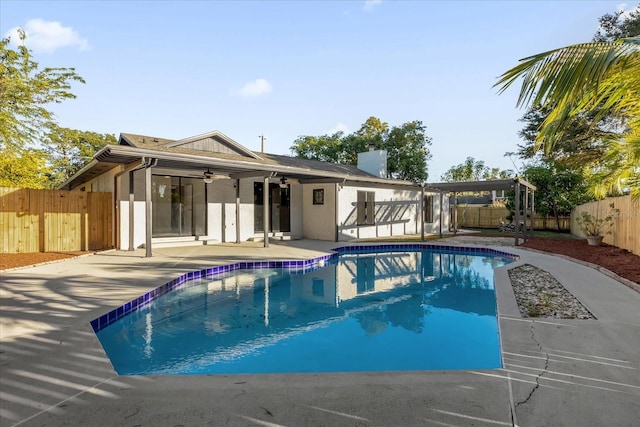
539, 294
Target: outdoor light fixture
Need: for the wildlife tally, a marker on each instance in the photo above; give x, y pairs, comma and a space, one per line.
283, 182
208, 177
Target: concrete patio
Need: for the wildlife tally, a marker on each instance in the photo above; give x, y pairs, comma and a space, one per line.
53, 370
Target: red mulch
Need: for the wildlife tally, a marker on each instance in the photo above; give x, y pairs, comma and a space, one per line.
620, 261
8, 261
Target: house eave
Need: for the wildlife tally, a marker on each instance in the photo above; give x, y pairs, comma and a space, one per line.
125, 154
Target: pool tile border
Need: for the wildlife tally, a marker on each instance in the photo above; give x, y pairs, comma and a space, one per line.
292, 267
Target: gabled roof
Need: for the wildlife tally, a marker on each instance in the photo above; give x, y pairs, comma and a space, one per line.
214, 141
238, 162
216, 135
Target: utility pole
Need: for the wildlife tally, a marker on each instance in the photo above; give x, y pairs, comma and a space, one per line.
262, 138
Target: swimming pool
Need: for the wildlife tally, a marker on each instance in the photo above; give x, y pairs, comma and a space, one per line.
379, 308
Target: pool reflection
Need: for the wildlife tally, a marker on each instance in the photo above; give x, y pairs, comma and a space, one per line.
371, 311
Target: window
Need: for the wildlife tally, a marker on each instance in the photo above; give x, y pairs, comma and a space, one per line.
366, 207
428, 209
318, 196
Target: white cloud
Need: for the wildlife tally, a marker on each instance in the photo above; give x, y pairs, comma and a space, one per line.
255, 88
47, 36
340, 127
370, 4
626, 14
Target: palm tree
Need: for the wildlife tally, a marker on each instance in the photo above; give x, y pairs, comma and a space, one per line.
601, 78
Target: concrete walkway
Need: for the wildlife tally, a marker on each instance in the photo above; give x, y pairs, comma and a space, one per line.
53, 370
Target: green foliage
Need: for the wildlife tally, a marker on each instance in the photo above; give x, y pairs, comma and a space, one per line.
69, 150
25, 93
589, 94
325, 148
613, 27
24, 169
406, 146
407, 151
582, 147
558, 189
474, 170
597, 225
26, 123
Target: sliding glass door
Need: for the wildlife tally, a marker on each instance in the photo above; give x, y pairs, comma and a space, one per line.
279, 208
178, 205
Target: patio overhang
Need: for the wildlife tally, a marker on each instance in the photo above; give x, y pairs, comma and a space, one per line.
234, 166
488, 185
192, 163
524, 206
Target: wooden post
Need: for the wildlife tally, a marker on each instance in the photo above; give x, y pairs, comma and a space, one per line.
265, 210
455, 212
337, 214
237, 211
516, 219
526, 214
441, 212
422, 213
533, 210
131, 217
147, 210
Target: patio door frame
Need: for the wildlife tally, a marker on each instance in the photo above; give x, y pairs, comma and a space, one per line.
178, 197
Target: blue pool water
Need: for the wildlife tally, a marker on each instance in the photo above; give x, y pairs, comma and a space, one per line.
379, 310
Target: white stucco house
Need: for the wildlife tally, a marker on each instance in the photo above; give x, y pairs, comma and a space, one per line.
208, 188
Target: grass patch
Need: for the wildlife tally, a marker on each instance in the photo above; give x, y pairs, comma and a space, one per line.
536, 233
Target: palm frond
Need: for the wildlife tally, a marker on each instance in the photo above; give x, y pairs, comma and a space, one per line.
550, 76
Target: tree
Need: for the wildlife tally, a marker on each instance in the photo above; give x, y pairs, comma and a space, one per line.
23, 168
584, 136
601, 78
558, 189
324, 148
373, 131
407, 151
616, 26
406, 146
581, 148
474, 170
69, 150
25, 93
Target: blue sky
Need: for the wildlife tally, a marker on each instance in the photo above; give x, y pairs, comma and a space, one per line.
290, 68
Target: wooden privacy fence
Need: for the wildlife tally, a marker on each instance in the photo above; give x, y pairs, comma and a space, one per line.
490, 217
625, 232
54, 221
